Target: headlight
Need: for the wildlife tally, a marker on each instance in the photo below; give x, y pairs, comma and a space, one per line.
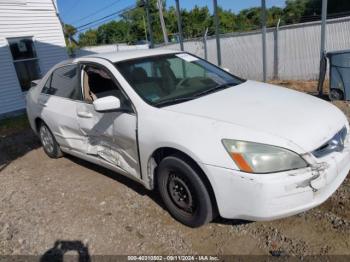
259, 158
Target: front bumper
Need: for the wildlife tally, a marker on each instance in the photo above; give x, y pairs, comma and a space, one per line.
271, 196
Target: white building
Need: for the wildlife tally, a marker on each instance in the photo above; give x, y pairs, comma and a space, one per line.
31, 42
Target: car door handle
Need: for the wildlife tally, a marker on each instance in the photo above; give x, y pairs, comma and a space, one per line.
85, 114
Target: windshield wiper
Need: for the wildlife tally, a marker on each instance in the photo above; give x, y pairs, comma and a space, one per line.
215, 88
172, 101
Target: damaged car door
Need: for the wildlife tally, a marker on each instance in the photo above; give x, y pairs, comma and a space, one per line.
109, 135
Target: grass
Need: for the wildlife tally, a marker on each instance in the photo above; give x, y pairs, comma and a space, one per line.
13, 125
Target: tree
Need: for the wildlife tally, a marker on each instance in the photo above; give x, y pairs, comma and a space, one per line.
69, 32
227, 20
112, 32
88, 38
314, 7
195, 21
294, 11
131, 25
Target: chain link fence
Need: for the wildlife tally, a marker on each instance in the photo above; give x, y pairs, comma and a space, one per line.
293, 51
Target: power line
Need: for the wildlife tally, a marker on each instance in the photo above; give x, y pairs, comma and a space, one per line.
103, 19
107, 16
96, 12
96, 24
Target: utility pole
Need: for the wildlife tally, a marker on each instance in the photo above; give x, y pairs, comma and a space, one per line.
149, 23
179, 24
263, 24
162, 23
216, 20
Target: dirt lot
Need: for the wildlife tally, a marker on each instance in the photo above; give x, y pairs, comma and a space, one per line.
43, 201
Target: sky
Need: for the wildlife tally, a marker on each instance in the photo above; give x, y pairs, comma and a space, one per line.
80, 12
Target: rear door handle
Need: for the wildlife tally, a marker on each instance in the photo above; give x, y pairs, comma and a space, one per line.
85, 114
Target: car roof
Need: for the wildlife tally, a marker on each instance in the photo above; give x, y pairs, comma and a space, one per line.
130, 54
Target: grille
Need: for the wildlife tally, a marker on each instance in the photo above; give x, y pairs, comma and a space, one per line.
335, 144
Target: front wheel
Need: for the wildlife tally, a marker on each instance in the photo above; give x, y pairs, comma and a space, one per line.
183, 192
49, 143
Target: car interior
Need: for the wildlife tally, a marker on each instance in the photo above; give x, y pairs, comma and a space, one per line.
155, 80
97, 83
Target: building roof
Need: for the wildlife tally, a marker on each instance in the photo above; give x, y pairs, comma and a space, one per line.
132, 54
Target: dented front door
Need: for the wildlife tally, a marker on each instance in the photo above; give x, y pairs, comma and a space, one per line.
110, 136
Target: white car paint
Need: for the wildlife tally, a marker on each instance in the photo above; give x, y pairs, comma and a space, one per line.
251, 111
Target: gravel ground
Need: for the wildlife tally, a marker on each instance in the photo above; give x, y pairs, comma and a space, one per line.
72, 204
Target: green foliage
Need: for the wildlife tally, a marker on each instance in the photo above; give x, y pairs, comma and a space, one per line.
89, 38
112, 32
131, 27
294, 10
69, 31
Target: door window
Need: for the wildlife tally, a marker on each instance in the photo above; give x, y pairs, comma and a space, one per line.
64, 82
98, 83
25, 61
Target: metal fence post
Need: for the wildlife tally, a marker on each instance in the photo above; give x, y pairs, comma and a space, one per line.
205, 44
216, 20
323, 27
275, 47
323, 59
263, 23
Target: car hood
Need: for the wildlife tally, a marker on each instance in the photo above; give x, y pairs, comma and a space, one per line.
302, 119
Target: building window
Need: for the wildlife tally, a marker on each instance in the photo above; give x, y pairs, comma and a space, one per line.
25, 61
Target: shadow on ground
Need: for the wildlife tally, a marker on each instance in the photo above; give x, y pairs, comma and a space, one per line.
141, 190
17, 145
61, 247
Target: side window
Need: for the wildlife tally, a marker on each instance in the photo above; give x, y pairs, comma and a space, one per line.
64, 82
98, 83
46, 88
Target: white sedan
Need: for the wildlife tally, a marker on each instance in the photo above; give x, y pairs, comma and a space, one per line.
210, 142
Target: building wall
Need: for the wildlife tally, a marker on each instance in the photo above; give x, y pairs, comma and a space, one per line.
27, 18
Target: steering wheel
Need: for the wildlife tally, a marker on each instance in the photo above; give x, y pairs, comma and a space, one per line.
195, 81
182, 83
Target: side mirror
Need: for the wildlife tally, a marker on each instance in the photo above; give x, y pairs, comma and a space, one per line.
107, 103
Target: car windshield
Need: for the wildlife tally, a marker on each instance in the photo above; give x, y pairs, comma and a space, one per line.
174, 78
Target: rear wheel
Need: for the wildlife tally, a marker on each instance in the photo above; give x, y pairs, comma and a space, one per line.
49, 143
183, 192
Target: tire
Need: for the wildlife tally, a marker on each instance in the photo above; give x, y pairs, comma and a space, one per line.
183, 192
49, 143
336, 94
